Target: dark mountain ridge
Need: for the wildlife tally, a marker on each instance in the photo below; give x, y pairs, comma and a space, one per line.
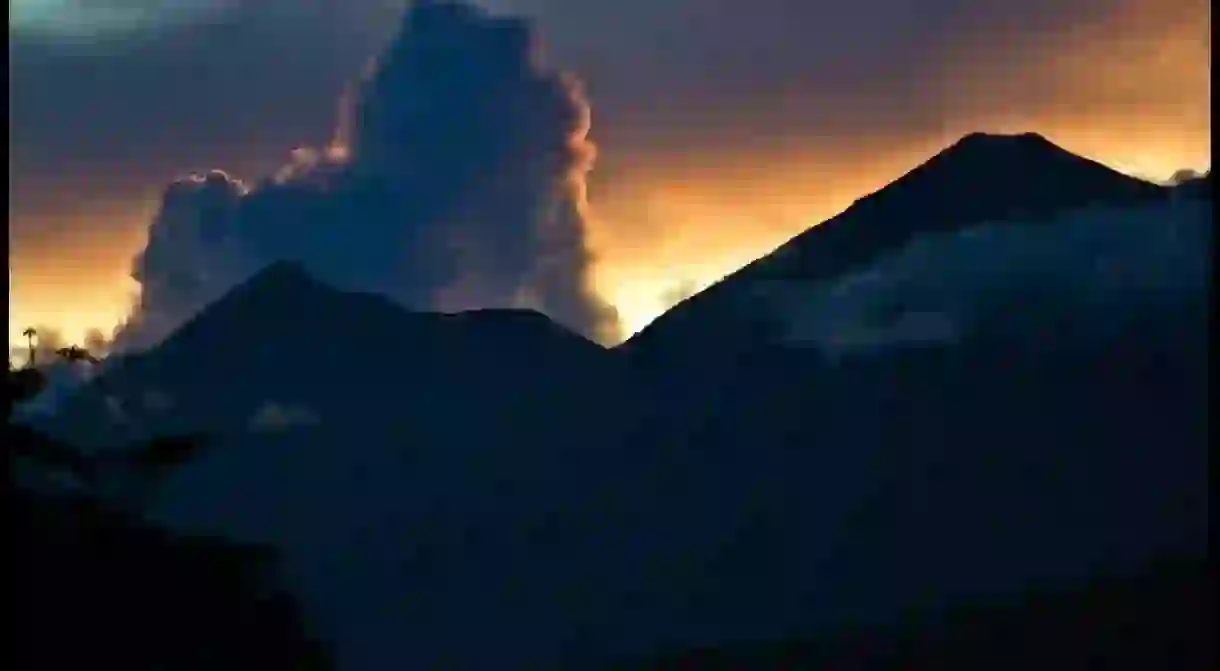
284, 338
492, 477
980, 179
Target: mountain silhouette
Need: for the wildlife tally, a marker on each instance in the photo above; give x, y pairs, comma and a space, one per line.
284, 339
284, 296
489, 490
979, 179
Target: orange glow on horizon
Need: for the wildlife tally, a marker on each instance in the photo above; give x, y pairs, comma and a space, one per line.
711, 229
704, 230
1130, 89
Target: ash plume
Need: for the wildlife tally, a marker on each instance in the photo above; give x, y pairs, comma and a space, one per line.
455, 180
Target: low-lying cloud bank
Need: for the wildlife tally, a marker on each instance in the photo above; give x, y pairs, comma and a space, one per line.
1094, 272
456, 180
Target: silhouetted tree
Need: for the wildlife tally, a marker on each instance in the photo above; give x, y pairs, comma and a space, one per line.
74, 353
29, 333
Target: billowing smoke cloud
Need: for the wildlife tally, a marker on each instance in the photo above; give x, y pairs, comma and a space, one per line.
456, 180
97, 343
194, 254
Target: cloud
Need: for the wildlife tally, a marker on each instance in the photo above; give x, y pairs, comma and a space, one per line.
881, 67
157, 401
1096, 273
456, 180
272, 416
97, 342
1185, 175
115, 410
907, 328
149, 403
193, 256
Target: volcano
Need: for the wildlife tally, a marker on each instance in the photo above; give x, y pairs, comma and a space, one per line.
978, 180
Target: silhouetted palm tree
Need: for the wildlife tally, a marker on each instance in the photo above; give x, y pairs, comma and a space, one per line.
29, 334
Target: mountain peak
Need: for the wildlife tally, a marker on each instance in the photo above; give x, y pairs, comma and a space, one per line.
282, 272
268, 296
1006, 153
292, 339
981, 178
978, 179
1029, 139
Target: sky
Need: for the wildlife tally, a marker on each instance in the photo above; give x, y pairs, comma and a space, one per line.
721, 128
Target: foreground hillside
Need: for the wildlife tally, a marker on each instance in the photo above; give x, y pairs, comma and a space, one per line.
1162, 616
95, 584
